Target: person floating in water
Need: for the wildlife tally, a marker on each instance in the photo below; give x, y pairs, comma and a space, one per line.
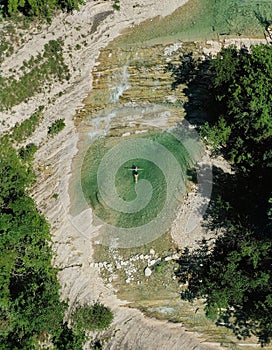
135, 172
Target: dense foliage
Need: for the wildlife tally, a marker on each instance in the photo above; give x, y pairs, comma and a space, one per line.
30, 308
94, 317
31, 312
235, 274
56, 127
38, 8
243, 90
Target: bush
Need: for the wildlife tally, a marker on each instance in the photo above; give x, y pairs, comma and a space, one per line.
27, 153
56, 127
116, 5
94, 317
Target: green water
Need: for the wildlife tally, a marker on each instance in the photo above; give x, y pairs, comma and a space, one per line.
124, 183
204, 19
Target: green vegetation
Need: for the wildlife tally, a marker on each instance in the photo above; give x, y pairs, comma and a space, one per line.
160, 267
6, 48
116, 5
30, 309
242, 88
21, 132
94, 317
235, 274
45, 68
68, 339
56, 127
42, 9
27, 153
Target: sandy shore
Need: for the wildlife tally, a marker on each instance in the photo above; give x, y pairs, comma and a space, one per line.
92, 28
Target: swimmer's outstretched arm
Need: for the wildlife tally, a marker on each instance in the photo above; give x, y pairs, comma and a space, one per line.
135, 169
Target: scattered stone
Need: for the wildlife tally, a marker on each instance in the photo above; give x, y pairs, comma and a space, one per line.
141, 256
128, 280
126, 134
154, 262
140, 131
151, 262
152, 251
100, 265
172, 257
148, 272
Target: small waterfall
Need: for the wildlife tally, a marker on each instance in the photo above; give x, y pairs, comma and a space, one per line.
101, 125
119, 84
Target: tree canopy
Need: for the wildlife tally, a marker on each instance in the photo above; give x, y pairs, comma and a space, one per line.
234, 274
242, 87
30, 308
38, 8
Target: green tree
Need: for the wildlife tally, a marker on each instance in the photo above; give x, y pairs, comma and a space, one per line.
39, 8
68, 339
242, 86
56, 127
30, 308
234, 274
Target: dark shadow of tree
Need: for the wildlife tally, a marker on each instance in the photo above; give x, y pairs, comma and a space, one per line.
231, 216
195, 75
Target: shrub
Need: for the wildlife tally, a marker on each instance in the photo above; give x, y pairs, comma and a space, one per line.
26, 153
94, 317
56, 127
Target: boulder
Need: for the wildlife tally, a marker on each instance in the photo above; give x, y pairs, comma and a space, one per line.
148, 272
152, 251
